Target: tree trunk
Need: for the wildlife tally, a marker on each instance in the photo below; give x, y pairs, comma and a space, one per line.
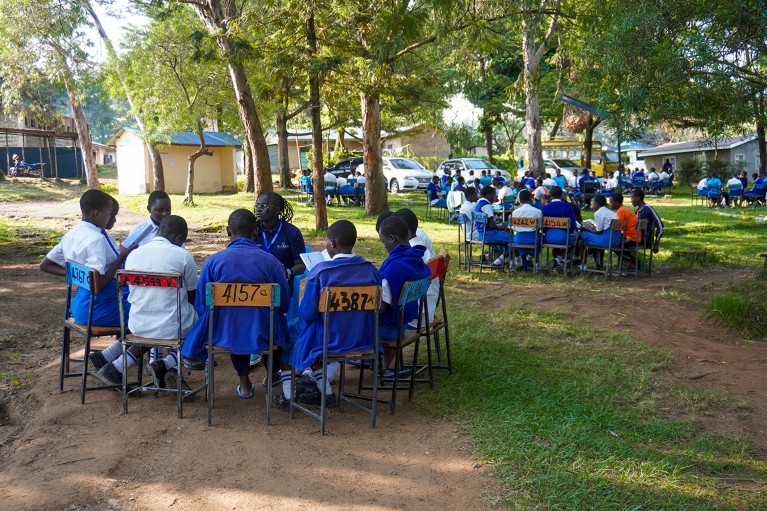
158, 174
318, 173
760, 137
247, 167
201, 151
532, 106
283, 159
375, 187
83, 131
154, 155
488, 129
340, 142
557, 125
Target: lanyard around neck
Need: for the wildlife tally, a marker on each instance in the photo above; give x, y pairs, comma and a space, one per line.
268, 244
109, 242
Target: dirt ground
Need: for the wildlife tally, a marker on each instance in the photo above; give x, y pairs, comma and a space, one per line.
57, 454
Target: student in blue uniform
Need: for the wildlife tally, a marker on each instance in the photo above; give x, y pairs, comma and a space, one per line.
404, 263
276, 235
435, 193
558, 208
242, 330
89, 244
343, 269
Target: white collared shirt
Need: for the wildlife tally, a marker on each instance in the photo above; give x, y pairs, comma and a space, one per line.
526, 211
86, 244
602, 218
153, 310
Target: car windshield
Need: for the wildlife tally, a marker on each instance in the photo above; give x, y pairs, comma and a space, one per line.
478, 164
404, 163
565, 163
610, 156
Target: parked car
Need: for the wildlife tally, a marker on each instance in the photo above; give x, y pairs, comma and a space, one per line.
404, 174
345, 167
566, 166
467, 164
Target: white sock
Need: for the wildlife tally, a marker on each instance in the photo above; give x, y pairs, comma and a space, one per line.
170, 361
113, 351
118, 362
153, 355
286, 388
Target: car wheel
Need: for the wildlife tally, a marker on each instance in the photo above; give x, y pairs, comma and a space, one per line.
394, 186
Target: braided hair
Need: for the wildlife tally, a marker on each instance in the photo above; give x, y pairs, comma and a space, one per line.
286, 210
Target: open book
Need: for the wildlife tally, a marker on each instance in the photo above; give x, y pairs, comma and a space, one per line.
311, 259
137, 235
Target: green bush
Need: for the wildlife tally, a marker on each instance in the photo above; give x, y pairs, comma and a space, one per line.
689, 172
109, 188
507, 162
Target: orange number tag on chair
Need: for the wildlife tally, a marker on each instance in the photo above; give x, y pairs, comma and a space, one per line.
351, 298
555, 222
243, 295
524, 222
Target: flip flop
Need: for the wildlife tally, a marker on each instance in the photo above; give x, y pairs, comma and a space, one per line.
249, 396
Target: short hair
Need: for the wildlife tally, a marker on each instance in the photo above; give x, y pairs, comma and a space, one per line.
460, 179
343, 232
383, 216
155, 196
638, 193
599, 200
172, 226
395, 226
487, 191
242, 222
617, 197
94, 200
115, 204
470, 191
525, 196
409, 217
556, 192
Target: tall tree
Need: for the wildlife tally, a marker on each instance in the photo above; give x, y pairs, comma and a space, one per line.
51, 44
223, 19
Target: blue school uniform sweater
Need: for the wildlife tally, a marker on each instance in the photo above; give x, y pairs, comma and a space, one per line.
404, 263
349, 331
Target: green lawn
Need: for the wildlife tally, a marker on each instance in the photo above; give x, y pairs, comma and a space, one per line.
566, 412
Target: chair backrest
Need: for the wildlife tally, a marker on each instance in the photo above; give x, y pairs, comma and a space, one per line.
80, 276
306, 186
479, 219
240, 294
151, 279
435, 265
556, 222
530, 221
455, 199
759, 186
619, 225
642, 230
590, 186
413, 291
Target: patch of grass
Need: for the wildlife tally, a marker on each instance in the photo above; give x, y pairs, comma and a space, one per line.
743, 309
31, 238
20, 189
674, 294
566, 414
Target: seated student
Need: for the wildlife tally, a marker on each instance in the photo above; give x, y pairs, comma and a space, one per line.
459, 185
467, 208
418, 238
702, 185
632, 234
654, 223
499, 177
715, 191
485, 179
448, 186
502, 190
528, 181
653, 176
305, 181
344, 191
744, 179
548, 182
435, 193
597, 232
492, 233
734, 189
664, 176
343, 269
88, 243
404, 263
637, 176
477, 183
539, 194
524, 235
153, 310
558, 208
242, 330
159, 207
559, 179
331, 184
443, 179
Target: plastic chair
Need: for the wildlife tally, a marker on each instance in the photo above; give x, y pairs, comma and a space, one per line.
306, 190
554, 222
160, 281
637, 248
526, 222
87, 278
756, 195
454, 202
715, 195
412, 291
479, 221
336, 302
736, 194
237, 294
615, 225
439, 266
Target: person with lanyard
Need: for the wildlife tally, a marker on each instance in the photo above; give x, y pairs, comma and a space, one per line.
277, 236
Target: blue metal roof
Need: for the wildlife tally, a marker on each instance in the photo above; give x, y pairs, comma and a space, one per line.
632, 146
212, 138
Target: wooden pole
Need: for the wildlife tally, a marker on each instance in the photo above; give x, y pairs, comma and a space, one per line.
23, 142
55, 157
74, 146
48, 145
7, 154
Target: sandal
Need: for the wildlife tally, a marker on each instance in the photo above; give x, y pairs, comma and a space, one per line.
242, 396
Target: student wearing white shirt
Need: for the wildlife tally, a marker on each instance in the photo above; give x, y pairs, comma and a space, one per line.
90, 245
703, 184
598, 232
467, 208
331, 183
153, 310
525, 235
664, 175
159, 207
653, 176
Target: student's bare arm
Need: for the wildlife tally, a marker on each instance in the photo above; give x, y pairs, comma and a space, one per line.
49, 266
110, 274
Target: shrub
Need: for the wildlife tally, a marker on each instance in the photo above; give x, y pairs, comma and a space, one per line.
689, 172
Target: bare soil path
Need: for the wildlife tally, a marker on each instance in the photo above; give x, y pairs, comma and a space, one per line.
56, 454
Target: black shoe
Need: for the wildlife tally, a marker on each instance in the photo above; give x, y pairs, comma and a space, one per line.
98, 360
315, 398
193, 364
109, 375
306, 386
281, 402
156, 370
171, 378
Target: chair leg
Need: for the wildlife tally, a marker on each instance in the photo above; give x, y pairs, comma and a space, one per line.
65, 346
209, 377
86, 359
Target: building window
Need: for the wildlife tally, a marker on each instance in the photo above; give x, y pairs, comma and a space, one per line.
740, 158
672, 160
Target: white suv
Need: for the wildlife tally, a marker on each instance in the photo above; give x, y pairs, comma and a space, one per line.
404, 174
